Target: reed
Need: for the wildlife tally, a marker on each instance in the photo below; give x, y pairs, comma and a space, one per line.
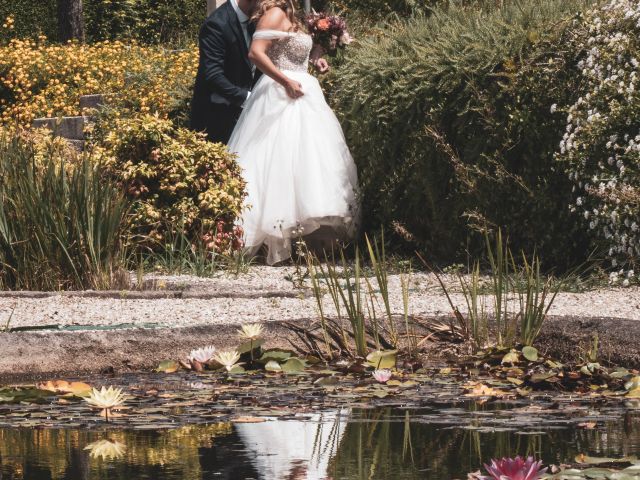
61, 223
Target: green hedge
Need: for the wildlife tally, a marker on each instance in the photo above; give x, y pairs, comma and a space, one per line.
149, 21
449, 120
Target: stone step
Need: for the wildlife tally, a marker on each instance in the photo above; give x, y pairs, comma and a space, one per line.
71, 128
92, 102
76, 144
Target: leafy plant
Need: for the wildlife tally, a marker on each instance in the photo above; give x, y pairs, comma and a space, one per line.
447, 116
186, 190
61, 220
600, 150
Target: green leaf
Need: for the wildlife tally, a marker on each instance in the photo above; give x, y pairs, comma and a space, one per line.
275, 354
237, 369
511, 357
541, 377
632, 384
246, 346
273, 366
326, 381
382, 359
293, 365
530, 354
168, 366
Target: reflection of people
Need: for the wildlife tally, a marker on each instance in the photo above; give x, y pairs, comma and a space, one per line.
294, 449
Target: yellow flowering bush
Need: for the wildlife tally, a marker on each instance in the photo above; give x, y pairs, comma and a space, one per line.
179, 182
39, 79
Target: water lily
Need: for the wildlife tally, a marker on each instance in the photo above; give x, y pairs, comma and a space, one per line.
106, 399
228, 359
382, 375
106, 449
251, 331
202, 355
514, 469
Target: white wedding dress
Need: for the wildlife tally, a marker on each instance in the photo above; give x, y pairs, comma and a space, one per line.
299, 172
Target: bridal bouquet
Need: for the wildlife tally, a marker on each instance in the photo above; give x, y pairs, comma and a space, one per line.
329, 31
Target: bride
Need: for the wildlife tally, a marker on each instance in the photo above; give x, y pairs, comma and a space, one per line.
299, 172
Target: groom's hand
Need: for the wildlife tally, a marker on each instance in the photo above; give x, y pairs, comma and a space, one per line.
322, 66
294, 89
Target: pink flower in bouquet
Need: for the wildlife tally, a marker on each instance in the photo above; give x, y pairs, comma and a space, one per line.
345, 39
514, 469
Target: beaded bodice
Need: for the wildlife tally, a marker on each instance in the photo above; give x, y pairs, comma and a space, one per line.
291, 51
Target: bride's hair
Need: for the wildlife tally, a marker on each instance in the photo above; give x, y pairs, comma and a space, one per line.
287, 5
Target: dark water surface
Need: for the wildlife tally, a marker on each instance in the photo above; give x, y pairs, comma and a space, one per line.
437, 441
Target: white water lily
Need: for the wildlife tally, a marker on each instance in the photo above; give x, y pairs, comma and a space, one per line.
383, 375
228, 359
106, 449
106, 399
251, 331
202, 355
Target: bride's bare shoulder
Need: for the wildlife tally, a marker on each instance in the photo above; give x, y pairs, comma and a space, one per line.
273, 19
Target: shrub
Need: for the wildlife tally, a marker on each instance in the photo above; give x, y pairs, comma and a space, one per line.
179, 181
149, 21
448, 119
61, 220
42, 79
601, 145
378, 9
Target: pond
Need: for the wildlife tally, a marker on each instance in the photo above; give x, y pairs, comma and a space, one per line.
432, 439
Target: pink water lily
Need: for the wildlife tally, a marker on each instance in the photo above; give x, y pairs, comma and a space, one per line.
514, 469
382, 375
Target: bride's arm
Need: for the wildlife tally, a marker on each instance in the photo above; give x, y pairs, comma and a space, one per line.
317, 59
274, 19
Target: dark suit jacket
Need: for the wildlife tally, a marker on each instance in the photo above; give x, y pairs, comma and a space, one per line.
224, 74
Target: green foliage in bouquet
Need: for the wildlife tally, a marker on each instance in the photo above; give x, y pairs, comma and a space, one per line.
449, 119
179, 182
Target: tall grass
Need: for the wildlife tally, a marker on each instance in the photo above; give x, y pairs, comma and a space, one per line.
520, 294
61, 224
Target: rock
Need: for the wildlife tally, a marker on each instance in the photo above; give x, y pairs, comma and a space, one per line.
71, 128
92, 102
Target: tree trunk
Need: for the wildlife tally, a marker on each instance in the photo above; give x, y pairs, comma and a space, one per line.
70, 20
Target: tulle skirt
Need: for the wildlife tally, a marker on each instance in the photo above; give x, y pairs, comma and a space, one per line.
299, 172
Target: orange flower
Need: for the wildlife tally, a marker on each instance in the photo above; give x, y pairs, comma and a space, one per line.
323, 24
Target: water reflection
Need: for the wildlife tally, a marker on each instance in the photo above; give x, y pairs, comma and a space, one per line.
294, 449
383, 443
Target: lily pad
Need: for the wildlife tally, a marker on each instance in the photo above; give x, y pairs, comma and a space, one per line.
168, 366
293, 365
530, 354
511, 357
275, 354
382, 359
248, 346
273, 366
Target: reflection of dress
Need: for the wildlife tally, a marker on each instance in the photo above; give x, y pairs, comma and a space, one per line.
294, 156
294, 449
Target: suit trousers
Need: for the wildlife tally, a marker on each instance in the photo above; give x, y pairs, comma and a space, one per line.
221, 121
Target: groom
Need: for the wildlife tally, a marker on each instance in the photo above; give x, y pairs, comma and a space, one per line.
225, 74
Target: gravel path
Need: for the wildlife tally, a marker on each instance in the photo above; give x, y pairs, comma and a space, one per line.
280, 302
